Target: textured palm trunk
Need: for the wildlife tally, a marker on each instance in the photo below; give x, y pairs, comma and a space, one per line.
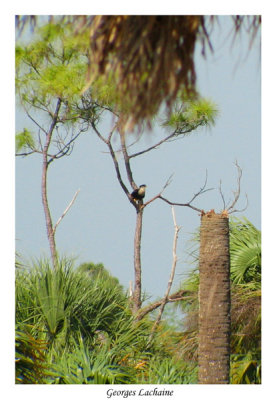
214, 300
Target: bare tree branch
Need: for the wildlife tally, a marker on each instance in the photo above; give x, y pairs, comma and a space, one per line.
243, 209
130, 290
98, 133
127, 160
180, 295
180, 204
138, 138
176, 134
237, 192
167, 183
118, 174
67, 148
31, 102
201, 190
27, 154
114, 158
105, 108
188, 204
171, 277
154, 146
222, 196
66, 210
34, 121
231, 208
40, 142
64, 148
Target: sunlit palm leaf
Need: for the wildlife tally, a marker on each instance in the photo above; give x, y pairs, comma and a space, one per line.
245, 251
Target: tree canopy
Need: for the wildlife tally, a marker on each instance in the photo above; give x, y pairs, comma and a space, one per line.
150, 59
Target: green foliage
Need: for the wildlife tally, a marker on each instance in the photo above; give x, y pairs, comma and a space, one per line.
189, 115
88, 366
49, 289
95, 271
61, 303
168, 371
245, 252
62, 306
107, 358
31, 366
24, 140
53, 65
246, 331
79, 325
246, 369
106, 93
62, 81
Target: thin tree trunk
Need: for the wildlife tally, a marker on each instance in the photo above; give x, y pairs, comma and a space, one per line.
48, 219
214, 300
45, 164
137, 262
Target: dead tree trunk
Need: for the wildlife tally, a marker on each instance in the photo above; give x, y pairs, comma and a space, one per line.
214, 300
136, 300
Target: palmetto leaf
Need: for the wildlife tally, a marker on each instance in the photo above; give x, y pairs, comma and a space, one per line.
31, 366
245, 369
87, 366
51, 299
245, 251
67, 299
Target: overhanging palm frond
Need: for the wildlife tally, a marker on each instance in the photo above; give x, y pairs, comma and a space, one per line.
149, 58
152, 58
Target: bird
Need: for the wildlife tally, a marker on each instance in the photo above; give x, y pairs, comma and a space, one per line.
138, 194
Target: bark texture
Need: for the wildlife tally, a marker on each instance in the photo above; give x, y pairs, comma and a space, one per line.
48, 219
137, 263
214, 300
45, 165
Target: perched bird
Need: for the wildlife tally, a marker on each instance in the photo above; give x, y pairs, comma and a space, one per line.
138, 194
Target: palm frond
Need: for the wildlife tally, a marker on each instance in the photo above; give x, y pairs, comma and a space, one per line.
245, 251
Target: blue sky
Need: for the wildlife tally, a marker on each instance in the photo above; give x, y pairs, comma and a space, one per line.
100, 225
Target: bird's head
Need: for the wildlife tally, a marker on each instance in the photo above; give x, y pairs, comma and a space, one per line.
141, 189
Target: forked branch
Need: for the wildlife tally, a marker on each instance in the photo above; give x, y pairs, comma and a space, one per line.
167, 183
231, 209
108, 142
188, 204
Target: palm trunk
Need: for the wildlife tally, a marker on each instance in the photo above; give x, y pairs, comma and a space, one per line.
214, 300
